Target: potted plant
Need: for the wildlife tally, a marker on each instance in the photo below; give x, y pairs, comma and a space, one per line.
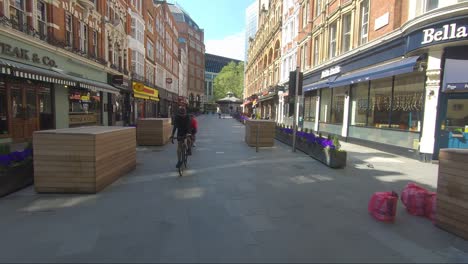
16, 170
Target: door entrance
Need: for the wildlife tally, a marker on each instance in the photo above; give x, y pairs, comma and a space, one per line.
454, 122
24, 112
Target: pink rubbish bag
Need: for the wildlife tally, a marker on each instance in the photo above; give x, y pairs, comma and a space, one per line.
382, 206
430, 208
414, 199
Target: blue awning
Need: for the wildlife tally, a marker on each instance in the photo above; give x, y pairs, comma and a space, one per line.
406, 65
325, 83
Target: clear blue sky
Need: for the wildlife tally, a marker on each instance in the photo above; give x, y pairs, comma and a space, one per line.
223, 22
219, 18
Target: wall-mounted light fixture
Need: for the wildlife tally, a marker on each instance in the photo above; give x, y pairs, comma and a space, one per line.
346, 94
430, 95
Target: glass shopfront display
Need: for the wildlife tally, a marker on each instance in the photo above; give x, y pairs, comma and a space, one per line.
337, 109
325, 105
310, 106
84, 107
380, 99
4, 129
46, 114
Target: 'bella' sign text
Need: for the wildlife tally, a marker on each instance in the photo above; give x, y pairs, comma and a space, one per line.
447, 32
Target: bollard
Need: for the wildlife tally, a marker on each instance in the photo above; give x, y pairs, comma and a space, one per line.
258, 129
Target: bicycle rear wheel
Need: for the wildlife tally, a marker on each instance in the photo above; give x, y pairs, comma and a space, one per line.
182, 158
185, 157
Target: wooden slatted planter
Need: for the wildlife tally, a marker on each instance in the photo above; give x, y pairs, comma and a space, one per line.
452, 191
266, 133
82, 160
153, 131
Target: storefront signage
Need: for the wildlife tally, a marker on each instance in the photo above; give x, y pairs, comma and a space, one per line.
331, 71
141, 89
24, 54
456, 86
449, 31
117, 79
82, 119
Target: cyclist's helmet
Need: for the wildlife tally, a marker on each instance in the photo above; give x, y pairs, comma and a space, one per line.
182, 111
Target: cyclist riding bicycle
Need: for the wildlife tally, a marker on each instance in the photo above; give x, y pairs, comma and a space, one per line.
182, 124
194, 127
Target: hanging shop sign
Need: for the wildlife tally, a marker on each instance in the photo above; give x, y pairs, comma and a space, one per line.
444, 32
24, 54
144, 92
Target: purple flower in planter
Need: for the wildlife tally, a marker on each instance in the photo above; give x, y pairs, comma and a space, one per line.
15, 157
5, 160
310, 138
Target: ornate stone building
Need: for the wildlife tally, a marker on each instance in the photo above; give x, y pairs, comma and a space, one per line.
262, 74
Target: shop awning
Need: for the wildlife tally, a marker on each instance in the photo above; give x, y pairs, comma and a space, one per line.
26, 71
247, 102
406, 65
325, 83
267, 97
95, 85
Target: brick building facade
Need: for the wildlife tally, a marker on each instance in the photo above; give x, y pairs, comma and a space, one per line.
377, 72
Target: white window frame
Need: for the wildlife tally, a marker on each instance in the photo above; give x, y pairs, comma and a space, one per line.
364, 22
346, 34
150, 49
332, 30
69, 29
316, 50
42, 19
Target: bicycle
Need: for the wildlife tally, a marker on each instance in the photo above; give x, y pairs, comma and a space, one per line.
182, 152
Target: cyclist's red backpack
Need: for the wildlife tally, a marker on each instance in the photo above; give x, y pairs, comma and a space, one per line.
382, 206
414, 198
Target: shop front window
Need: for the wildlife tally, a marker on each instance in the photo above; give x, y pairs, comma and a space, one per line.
119, 105
84, 107
359, 104
457, 116
3, 109
310, 103
17, 109
337, 110
408, 98
380, 103
46, 116
325, 105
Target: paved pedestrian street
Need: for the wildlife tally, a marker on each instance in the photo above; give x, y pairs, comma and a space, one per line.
232, 205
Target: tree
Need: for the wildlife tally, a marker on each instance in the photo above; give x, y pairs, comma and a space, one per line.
230, 79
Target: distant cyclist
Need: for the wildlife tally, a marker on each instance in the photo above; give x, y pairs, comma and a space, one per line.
182, 124
194, 127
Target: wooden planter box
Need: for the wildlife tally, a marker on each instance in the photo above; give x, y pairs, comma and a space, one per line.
16, 178
266, 133
82, 160
452, 191
153, 131
331, 158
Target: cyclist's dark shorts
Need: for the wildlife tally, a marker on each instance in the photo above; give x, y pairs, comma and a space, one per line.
180, 138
